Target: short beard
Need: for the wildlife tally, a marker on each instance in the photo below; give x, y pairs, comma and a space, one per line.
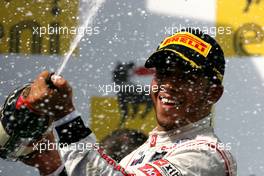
176, 125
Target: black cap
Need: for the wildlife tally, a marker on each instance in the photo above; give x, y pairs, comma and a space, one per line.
194, 50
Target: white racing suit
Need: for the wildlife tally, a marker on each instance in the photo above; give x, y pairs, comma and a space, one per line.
193, 150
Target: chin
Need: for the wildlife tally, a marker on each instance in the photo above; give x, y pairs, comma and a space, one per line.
167, 126
167, 122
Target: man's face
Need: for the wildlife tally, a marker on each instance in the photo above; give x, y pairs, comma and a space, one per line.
182, 98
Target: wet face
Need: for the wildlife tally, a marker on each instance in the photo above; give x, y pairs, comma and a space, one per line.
182, 98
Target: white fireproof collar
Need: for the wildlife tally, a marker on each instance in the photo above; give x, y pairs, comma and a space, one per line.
205, 124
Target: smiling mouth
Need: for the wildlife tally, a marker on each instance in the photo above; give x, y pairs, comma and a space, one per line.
170, 101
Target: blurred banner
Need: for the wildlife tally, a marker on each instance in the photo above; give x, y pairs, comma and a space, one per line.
106, 117
245, 17
37, 27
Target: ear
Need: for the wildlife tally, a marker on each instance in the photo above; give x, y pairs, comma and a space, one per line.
215, 93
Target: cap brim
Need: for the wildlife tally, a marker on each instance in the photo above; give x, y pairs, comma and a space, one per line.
166, 58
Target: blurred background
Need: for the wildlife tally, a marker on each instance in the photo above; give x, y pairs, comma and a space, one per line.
119, 36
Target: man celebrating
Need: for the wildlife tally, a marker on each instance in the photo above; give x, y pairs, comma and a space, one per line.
189, 72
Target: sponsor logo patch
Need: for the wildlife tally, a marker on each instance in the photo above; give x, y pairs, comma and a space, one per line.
150, 170
138, 161
167, 168
153, 140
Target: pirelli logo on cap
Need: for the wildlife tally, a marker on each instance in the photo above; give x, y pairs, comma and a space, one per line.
188, 40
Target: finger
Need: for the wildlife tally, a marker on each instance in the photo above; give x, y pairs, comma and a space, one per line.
41, 79
38, 87
45, 75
